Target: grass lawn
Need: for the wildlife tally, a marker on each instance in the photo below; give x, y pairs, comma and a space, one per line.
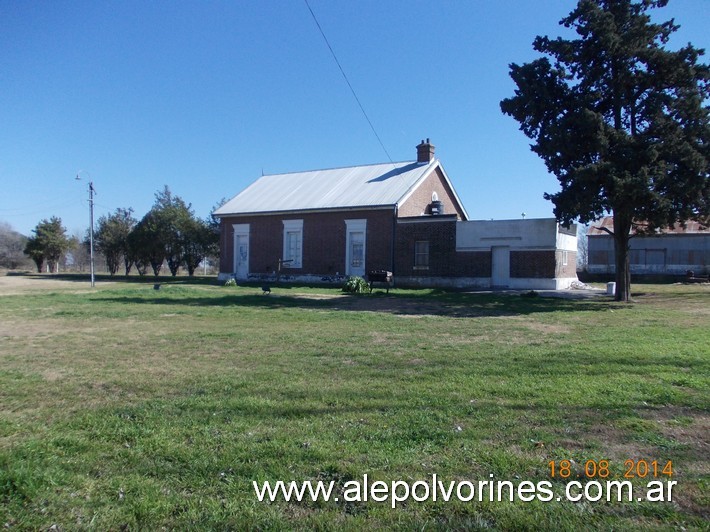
126, 407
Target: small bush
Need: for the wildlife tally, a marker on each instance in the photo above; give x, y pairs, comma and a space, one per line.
356, 285
231, 282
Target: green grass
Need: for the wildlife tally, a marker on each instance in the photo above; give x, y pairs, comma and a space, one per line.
130, 407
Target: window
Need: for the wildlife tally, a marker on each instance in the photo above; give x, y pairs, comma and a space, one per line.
357, 250
421, 255
293, 243
564, 258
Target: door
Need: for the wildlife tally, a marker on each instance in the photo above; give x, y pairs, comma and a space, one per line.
242, 260
241, 251
500, 274
357, 253
356, 231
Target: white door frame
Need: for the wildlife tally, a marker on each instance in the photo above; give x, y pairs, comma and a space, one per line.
240, 230
355, 226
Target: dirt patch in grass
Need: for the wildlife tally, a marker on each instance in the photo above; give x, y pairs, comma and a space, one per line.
547, 328
688, 428
53, 375
410, 307
12, 285
26, 329
377, 337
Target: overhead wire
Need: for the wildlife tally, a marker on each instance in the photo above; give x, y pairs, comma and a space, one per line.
35, 209
342, 71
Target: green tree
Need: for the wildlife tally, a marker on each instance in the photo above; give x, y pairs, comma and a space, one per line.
48, 244
165, 234
173, 219
620, 120
147, 245
199, 243
33, 249
111, 238
139, 248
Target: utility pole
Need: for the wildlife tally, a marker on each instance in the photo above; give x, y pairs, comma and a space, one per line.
91, 226
91, 231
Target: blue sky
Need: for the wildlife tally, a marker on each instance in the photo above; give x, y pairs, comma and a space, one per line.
205, 96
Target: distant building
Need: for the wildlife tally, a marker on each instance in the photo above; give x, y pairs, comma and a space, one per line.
406, 217
669, 252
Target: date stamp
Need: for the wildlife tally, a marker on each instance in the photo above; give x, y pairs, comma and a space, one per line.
565, 469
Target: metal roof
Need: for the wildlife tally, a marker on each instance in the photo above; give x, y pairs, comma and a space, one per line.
691, 227
356, 186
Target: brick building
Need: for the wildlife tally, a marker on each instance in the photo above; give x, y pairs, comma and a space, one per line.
323, 225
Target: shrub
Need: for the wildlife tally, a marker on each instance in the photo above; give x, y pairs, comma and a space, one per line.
231, 282
356, 285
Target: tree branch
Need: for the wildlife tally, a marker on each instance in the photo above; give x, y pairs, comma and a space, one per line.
605, 230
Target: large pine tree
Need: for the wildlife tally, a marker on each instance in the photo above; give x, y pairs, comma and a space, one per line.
620, 120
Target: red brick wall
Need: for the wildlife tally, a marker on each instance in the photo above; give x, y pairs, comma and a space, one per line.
568, 270
420, 201
323, 241
444, 260
542, 264
474, 263
532, 264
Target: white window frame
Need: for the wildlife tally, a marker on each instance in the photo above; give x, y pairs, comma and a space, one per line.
295, 228
418, 254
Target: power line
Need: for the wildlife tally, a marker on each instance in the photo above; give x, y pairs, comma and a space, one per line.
348, 81
37, 209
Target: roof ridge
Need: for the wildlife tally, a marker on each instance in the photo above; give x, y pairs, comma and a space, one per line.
341, 168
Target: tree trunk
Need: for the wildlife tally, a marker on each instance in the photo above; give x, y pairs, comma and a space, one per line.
622, 226
173, 266
128, 264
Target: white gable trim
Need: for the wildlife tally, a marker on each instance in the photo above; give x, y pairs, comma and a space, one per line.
418, 183
453, 191
432, 166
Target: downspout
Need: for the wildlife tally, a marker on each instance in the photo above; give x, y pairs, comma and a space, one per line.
394, 239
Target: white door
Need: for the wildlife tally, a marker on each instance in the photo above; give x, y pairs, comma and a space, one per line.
355, 247
241, 251
357, 253
242, 260
500, 267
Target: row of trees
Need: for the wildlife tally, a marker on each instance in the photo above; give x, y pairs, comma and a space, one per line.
169, 233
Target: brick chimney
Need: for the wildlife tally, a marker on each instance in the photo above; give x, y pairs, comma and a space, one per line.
425, 152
